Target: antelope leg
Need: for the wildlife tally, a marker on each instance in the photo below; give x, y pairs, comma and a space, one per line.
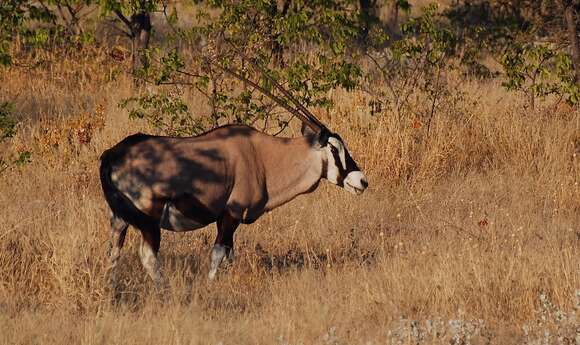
149, 251
118, 232
224, 243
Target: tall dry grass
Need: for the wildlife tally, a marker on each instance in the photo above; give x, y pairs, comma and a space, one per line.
462, 231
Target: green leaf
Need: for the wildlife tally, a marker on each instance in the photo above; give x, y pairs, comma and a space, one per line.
23, 158
7, 122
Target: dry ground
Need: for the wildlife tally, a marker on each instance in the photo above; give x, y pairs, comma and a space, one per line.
471, 236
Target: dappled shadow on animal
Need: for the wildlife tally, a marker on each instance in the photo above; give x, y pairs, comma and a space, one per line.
230, 175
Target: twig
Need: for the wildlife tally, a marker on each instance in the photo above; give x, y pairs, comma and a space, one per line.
286, 123
126, 21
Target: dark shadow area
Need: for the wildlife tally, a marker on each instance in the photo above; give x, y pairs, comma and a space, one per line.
135, 288
181, 169
297, 259
498, 24
486, 21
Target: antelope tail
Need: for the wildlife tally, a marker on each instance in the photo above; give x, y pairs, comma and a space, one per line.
120, 205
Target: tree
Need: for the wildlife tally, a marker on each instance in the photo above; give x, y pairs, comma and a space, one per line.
136, 18
67, 13
569, 9
14, 15
237, 64
536, 41
368, 15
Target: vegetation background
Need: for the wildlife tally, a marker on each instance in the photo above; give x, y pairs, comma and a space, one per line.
463, 116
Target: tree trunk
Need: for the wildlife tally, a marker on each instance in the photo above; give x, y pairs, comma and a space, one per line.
570, 21
277, 48
366, 15
141, 33
394, 17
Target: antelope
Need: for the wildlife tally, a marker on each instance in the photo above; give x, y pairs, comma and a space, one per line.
230, 175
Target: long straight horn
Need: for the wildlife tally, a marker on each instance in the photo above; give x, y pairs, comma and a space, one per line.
303, 117
289, 96
301, 112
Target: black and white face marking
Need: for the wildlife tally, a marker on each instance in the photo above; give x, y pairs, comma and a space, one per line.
341, 169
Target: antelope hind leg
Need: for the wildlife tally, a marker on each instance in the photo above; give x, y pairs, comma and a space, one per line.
118, 232
149, 254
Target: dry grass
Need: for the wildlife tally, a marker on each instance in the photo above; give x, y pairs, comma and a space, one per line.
455, 241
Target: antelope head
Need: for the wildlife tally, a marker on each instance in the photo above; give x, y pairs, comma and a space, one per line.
338, 166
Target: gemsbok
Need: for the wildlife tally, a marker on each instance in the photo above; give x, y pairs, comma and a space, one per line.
229, 175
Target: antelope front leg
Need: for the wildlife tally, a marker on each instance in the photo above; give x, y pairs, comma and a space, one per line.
224, 244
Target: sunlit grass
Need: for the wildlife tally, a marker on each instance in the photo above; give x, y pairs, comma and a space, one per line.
460, 233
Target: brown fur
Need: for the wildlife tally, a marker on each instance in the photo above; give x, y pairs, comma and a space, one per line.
233, 169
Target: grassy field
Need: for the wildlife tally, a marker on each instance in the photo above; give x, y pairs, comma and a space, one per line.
468, 234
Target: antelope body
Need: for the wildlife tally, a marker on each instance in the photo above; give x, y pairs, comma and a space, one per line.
230, 175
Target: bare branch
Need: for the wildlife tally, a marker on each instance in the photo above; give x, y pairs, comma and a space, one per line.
47, 10
119, 30
124, 19
286, 123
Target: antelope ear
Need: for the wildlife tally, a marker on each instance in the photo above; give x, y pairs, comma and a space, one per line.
323, 137
320, 138
307, 131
